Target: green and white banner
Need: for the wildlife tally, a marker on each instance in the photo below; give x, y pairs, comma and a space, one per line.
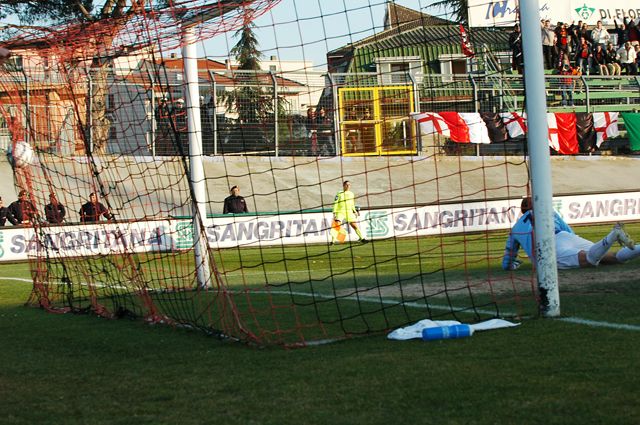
18, 243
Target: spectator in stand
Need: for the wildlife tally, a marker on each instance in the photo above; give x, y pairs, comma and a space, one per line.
312, 133
622, 35
584, 56
574, 32
600, 36
54, 211
3, 213
234, 203
567, 83
325, 132
627, 57
563, 41
91, 211
585, 31
515, 43
179, 115
600, 60
637, 47
613, 64
574, 39
633, 32
548, 44
22, 211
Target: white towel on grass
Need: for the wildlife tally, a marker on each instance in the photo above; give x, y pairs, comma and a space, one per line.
415, 331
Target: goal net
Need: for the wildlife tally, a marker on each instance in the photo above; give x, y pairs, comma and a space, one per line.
289, 100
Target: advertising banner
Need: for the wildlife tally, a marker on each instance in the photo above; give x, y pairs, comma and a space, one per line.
286, 229
484, 13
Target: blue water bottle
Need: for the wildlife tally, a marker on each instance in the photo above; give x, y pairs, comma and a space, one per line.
447, 332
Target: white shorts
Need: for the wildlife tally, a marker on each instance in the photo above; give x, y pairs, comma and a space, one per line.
568, 245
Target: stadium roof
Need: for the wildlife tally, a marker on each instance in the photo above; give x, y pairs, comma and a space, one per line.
405, 27
397, 15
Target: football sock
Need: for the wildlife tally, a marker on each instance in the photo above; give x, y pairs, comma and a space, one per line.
600, 248
626, 254
359, 233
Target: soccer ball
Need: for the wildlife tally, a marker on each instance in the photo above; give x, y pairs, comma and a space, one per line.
22, 154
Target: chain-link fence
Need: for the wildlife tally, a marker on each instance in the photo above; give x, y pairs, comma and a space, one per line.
143, 111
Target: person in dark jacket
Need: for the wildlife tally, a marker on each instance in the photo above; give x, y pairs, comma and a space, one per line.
621, 32
3, 213
234, 204
21, 211
515, 43
54, 211
93, 210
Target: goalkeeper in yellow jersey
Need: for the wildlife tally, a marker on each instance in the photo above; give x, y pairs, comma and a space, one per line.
344, 211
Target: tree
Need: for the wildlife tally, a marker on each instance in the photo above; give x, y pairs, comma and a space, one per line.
459, 9
248, 98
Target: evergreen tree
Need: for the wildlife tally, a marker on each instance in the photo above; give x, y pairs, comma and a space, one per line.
459, 9
250, 99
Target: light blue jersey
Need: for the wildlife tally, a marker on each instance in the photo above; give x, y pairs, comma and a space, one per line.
522, 236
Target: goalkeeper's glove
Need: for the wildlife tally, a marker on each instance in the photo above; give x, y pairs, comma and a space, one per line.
515, 264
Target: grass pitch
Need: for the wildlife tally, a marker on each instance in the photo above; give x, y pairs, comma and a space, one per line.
66, 369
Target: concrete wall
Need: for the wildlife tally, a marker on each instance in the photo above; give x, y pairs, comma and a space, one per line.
143, 187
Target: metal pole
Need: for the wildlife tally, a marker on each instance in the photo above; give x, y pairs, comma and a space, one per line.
587, 101
194, 129
416, 106
89, 132
27, 117
275, 111
537, 138
214, 118
337, 135
154, 123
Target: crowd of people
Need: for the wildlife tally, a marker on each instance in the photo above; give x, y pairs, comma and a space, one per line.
598, 50
22, 211
319, 132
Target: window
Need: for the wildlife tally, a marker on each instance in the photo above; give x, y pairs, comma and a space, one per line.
397, 70
14, 63
400, 67
111, 102
456, 64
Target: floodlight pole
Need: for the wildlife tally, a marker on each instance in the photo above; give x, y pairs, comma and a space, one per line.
537, 139
194, 129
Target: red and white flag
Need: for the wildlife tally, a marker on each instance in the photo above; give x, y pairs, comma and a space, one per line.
606, 125
459, 127
467, 49
563, 136
515, 123
478, 132
431, 123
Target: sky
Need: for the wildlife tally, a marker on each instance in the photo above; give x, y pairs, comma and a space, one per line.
308, 29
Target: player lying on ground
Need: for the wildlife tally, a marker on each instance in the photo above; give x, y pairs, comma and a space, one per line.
572, 251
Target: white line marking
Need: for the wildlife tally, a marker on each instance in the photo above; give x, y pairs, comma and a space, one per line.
599, 324
386, 301
576, 320
19, 279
